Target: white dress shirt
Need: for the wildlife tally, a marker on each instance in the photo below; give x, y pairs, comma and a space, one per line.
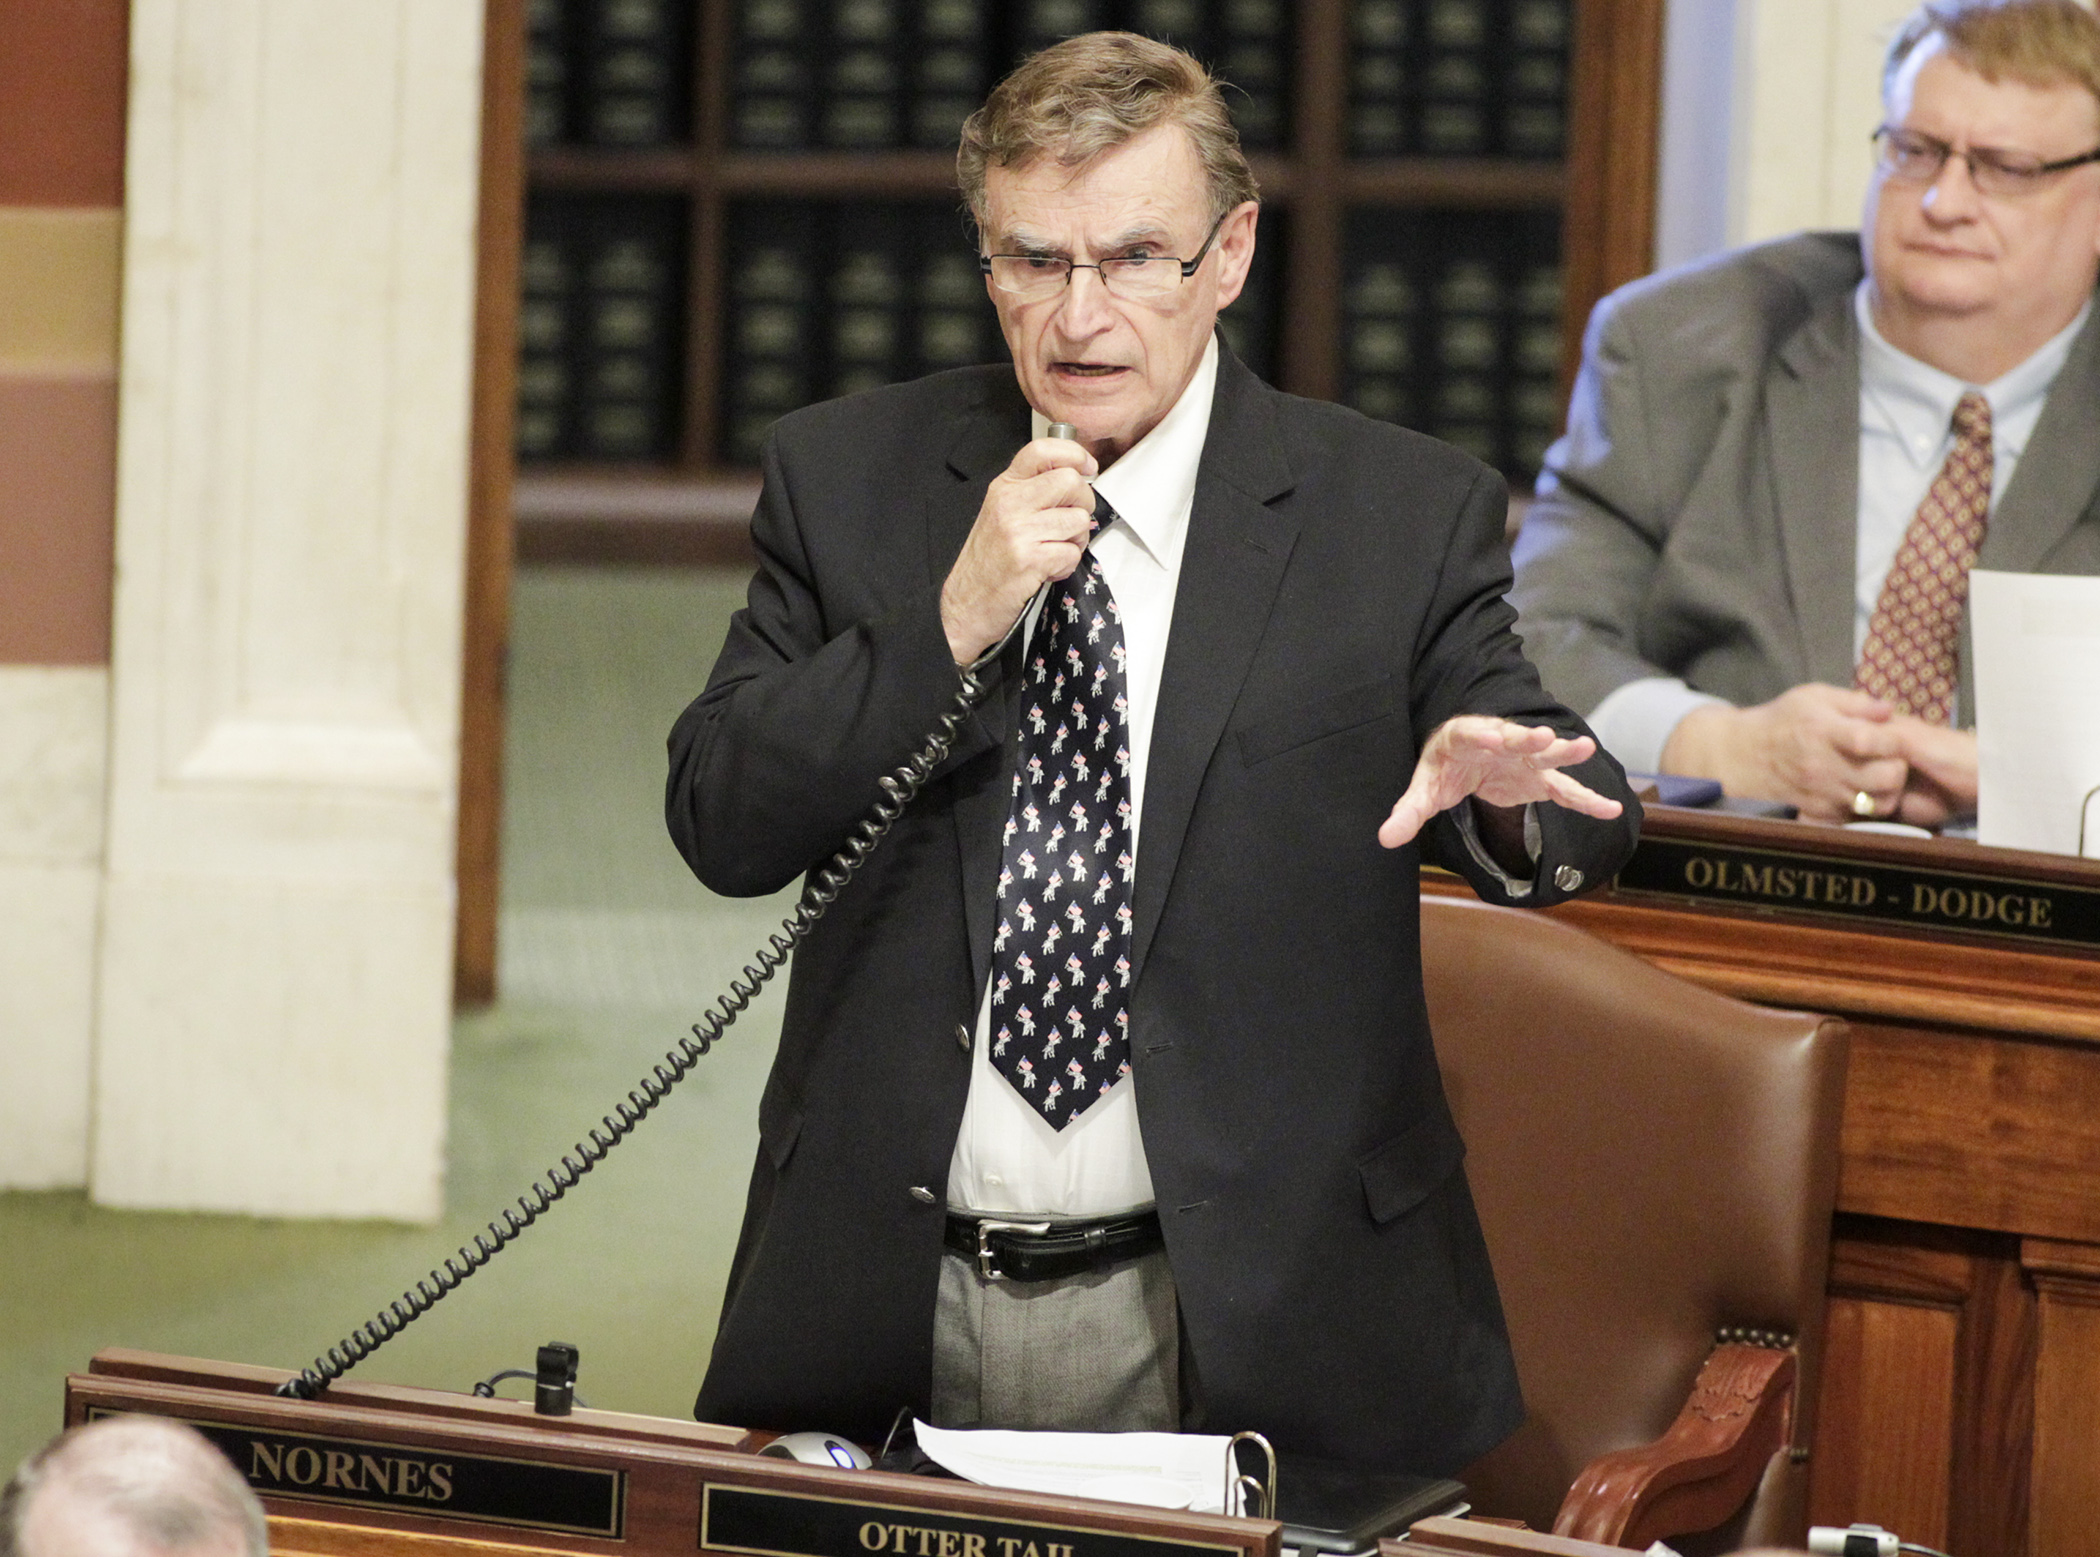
1906, 431
1007, 1157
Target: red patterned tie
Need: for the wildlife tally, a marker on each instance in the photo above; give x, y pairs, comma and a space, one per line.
1914, 635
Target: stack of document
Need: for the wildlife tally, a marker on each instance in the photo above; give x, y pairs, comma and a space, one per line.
1161, 1470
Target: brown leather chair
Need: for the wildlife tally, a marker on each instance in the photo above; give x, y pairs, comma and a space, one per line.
1655, 1167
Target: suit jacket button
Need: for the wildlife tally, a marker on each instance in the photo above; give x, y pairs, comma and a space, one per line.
922, 1194
962, 1037
1568, 879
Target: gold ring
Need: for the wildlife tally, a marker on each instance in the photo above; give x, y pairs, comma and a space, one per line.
1863, 804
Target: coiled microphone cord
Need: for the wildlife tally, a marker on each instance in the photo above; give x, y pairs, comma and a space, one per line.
819, 892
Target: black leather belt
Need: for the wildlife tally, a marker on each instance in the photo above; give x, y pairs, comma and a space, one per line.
1010, 1250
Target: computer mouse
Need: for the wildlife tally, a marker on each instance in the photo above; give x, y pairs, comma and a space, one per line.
818, 1449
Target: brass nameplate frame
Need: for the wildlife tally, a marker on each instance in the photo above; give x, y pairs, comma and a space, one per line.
433, 1483
1912, 897
776, 1522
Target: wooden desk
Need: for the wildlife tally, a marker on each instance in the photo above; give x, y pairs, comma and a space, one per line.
384, 1471
1960, 1400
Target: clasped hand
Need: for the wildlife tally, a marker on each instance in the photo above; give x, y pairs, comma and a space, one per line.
1500, 763
1819, 748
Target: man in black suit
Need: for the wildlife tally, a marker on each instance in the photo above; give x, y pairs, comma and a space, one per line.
1150, 869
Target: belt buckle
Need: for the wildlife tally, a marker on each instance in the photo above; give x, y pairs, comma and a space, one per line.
985, 1251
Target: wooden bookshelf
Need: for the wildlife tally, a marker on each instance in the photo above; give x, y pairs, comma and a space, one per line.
1603, 191
691, 510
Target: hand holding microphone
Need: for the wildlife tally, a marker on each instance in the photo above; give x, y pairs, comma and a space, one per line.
1032, 528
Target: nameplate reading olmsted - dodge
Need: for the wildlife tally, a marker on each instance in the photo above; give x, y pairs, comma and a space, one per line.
1916, 897
766, 1523
436, 1483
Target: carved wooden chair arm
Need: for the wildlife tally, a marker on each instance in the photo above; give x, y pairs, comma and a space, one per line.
1739, 1414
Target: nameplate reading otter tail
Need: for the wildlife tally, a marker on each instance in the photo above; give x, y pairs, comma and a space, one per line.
776, 1522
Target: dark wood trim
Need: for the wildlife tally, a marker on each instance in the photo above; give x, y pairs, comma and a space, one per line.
585, 516
491, 464
1312, 302
640, 543
1486, 183
700, 429
668, 169
1614, 156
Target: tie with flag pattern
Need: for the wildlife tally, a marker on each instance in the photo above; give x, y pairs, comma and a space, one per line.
1914, 637
1060, 957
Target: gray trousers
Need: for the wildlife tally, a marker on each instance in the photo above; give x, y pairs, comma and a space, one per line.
1088, 1353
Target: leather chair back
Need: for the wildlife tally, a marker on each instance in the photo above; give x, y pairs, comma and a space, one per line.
1652, 1162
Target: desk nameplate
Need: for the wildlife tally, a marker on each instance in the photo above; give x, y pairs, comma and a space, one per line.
790, 1522
1901, 894
379, 1474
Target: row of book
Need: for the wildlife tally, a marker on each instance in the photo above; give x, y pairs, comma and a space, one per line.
1451, 319
615, 73
876, 74
830, 299
1452, 78
1451, 325
601, 328
1427, 77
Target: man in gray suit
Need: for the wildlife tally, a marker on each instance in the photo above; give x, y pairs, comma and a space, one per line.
1748, 560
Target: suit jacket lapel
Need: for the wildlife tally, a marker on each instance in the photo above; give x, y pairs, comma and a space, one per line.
2055, 481
1231, 566
983, 445
1812, 415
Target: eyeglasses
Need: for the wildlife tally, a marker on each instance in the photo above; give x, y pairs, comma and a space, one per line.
1912, 158
1137, 277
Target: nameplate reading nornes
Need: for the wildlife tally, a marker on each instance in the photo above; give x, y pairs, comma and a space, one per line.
768, 1523
436, 1483
1910, 896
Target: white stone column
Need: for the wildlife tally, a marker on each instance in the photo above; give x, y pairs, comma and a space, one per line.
52, 723
274, 991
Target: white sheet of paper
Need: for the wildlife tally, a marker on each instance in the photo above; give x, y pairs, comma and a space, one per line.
2036, 639
1109, 1465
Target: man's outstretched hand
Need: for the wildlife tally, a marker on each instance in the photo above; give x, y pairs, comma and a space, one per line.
1503, 763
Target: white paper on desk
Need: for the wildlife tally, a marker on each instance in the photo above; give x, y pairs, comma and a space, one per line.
2036, 639
1068, 1463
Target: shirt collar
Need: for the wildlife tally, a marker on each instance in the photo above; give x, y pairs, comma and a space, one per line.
1153, 485
1917, 400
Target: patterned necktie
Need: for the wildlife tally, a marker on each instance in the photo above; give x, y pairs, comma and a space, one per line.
1060, 959
1914, 636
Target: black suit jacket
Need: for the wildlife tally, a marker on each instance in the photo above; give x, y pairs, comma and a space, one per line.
1340, 596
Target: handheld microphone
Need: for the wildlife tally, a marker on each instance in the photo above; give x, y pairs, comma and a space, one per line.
1067, 431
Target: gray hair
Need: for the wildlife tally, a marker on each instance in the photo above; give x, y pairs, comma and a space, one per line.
1089, 94
160, 1481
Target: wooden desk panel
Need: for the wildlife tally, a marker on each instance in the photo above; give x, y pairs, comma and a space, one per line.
1984, 1130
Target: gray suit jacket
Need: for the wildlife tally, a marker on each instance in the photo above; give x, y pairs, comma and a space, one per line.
1700, 517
